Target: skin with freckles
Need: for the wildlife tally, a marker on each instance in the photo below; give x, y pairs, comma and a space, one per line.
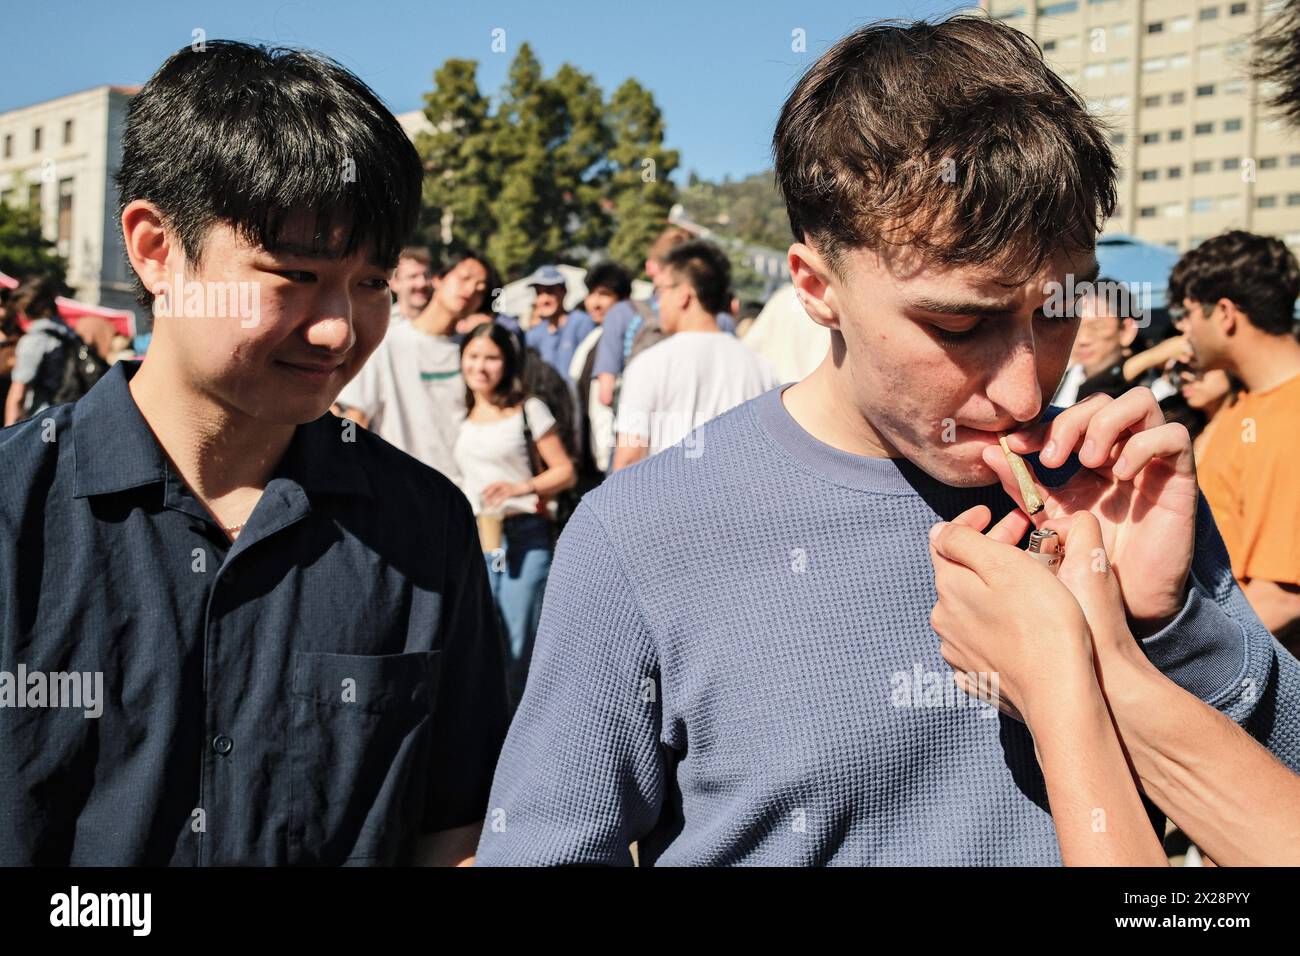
930, 362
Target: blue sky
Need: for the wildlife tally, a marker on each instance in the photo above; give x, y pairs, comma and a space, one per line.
718, 68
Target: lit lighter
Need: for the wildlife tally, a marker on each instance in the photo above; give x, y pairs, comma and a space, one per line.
1045, 548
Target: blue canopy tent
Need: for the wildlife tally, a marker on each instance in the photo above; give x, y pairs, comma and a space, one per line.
1133, 262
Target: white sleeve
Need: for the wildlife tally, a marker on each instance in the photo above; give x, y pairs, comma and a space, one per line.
540, 419
636, 399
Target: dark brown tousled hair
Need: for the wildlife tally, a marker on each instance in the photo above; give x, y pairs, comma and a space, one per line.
953, 137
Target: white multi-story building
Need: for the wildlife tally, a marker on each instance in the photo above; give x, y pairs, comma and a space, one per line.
62, 156
1198, 151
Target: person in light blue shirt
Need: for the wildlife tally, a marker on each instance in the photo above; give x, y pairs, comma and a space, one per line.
557, 333
737, 661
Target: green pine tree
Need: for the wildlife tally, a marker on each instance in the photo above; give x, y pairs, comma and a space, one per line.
640, 189
24, 252
461, 176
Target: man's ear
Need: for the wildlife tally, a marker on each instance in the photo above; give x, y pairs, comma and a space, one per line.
812, 277
153, 253
1230, 317
1128, 332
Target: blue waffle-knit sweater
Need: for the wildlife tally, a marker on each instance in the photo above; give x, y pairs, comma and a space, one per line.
735, 665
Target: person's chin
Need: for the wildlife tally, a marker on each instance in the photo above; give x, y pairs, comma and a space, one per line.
959, 465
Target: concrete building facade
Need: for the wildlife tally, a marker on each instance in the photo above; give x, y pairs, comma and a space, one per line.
1198, 150
62, 156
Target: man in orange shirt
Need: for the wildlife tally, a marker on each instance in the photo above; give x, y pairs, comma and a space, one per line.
1238, 292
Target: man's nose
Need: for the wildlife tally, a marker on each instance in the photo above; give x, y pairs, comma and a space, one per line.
332, 327
1014, 387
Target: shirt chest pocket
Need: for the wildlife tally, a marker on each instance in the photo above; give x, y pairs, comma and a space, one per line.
359, 754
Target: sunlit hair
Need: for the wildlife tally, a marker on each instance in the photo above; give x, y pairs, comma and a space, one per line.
953, 138
250, 135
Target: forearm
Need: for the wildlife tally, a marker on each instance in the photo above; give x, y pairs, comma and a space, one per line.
553, 480
1278, 606
605, 387
1224, 790
14, 402
1099, 817
628, 452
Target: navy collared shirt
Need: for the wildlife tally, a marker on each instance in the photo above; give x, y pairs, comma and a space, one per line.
322, 691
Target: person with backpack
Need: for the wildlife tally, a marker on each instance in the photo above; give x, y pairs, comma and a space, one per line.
511, 459
52, 365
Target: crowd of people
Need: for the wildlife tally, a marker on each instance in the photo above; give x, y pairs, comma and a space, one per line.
584, 582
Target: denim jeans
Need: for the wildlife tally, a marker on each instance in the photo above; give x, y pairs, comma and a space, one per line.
518, 574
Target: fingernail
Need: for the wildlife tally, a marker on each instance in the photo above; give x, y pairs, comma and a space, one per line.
1121, 466
1087, 449
934, 531
1049, 450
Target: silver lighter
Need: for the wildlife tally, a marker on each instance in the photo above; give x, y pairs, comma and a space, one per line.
1045, 548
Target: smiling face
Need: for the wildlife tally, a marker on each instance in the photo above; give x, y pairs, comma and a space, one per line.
599, 301
549, 302
482, 365
315, 319
412, 284
1102, 336
939, 360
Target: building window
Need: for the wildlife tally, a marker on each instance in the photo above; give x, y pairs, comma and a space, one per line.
1293, 199
1204, 204
65, 210
1265, 202
7, 197
1202, 166
9, 145
1236, 10
1293, 159
36, 140
1205, 90
1147, 212
1149, 174
1151, 100
1119, 67
1156, 27
1177, 97
34, 195
1209, 13
1179, 60
1058, 9
1093, 70
1175, 135
1180, 24
1172, 210
1268, 162
1150, 137
1231, 163
1049, 46
1174, 172
1118, 138
1154, 65
67, 132
1203, 129
1232, 125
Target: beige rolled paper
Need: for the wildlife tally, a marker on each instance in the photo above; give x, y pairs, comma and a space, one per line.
1028, 492
1154, 357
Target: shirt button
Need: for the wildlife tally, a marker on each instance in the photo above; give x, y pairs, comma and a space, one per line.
222, 744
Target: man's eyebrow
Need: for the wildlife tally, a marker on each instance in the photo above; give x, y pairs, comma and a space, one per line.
313, 251
981, 307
